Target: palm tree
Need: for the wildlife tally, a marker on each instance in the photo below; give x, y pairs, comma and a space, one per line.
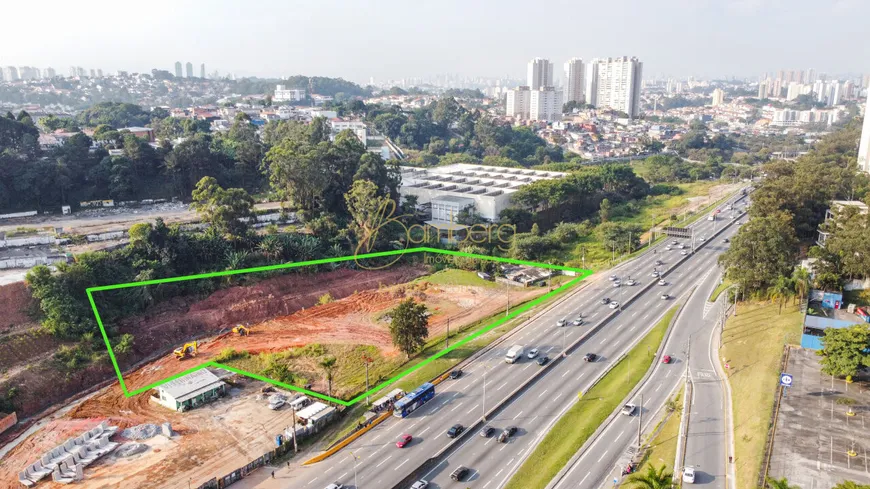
653, 479
780, 291
779, 484
801, 280
328, 366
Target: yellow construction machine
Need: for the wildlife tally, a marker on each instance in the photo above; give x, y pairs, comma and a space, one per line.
241, 330
188, 350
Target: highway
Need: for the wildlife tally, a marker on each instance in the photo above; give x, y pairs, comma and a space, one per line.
604, 459
375, 461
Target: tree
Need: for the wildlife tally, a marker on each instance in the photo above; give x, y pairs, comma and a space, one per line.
124, 345
328, 365
228, 211
801, 281
653, 479
851, 485
780, 291
604, 210
779, 484
762, 251
409, 326
845, 350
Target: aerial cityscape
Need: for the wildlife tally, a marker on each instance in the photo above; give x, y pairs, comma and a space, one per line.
393, 246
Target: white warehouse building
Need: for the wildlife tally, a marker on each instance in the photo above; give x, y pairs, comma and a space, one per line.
452, 188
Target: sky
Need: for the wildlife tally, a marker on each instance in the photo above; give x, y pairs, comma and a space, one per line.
390, 39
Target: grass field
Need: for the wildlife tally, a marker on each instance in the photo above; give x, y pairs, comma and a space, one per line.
719, 289
663, 448
653, 210
583, 418
452, 276
752, 346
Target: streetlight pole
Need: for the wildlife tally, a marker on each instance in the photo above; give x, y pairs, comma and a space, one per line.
355, 484
366, 360
295, 447
483, 403
639, 420
447, 339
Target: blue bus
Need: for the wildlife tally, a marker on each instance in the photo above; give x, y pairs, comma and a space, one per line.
413, 400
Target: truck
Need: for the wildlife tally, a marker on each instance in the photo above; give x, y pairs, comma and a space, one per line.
513, 354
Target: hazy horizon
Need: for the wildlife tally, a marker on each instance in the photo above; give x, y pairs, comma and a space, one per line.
387, 39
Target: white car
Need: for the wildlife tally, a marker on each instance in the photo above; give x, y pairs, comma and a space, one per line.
628, 409
532, 353
666, 297
689, 475
616, 284
561, 322
702, 238
662, 282
684, 252
631, 283
668, 248
655, 273
335, 485
675, 242
613, 277
577, 322
421, 484
682, 247
614, 305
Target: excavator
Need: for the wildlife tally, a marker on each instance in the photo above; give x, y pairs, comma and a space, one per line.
188, 350
241, 330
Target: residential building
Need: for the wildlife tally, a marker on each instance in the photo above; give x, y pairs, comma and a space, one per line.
545, 104
10, 73
811, 76
357, 127
540, 73
93, 73
864, 145
99, 73
486, 190
202, 71
283, 94
189, 391
718, 97
178, 69
575, 83
763, 89
615, 83
80, 72
834, 93
49, 73
518, 102
189, 69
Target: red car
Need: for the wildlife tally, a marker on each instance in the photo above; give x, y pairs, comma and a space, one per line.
666, 359
403, 440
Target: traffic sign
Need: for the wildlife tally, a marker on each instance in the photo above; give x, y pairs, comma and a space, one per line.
785, 380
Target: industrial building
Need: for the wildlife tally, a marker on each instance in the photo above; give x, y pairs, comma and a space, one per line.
483, 190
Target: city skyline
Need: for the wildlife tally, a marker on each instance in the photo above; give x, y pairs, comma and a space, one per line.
686, 39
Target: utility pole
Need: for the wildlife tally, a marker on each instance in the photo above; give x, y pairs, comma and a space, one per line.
629, 242
584, 256
688, 352
447, 339
355, 484
367, 360
507, 311
639, 420
484, 394
295, 447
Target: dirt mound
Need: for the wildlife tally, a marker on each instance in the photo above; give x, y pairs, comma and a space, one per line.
17, 305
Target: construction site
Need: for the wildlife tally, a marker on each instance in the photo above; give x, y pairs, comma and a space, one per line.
280, 327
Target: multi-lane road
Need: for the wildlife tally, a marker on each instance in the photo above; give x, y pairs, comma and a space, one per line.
375, 461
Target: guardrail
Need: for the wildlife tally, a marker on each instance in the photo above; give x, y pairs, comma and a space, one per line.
347, 441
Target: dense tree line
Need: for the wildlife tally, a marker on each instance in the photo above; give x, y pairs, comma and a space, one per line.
673, 169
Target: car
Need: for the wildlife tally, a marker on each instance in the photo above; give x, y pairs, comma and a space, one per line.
455, 430
614, 305
459, 474
630, 282
684, 252
455, 374
682, 247
628, 409
404, 440
277, 404
420, 484
532, 353
702, 238
662, 282
589, 357
666, 296
689, 475
726, 240
486, 431
659, 262
675, 242
613, 277
543, 360
506, 434
739, 223
666, 359
655, 273
616, 285
605, 300
335, 485
577, 322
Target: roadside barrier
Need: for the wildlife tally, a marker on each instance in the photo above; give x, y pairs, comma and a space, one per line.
347, 441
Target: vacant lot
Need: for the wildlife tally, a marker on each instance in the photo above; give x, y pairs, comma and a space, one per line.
752, 347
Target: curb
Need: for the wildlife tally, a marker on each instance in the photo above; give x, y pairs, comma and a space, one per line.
730, 474
682, 438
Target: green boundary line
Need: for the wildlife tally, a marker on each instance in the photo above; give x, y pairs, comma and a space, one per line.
581, 274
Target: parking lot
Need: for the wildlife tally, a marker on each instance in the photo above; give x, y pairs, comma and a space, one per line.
821, 420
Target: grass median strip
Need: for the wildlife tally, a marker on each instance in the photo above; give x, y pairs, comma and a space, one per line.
752, 347
583, 418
